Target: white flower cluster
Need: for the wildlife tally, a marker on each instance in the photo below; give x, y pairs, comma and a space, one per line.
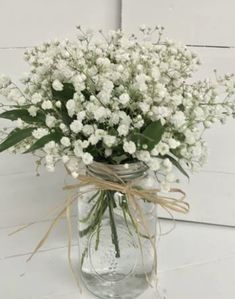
100, 97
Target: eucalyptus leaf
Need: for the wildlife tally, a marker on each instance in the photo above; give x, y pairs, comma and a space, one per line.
177, 165
64, 95
55, 136
16, 136
150, 136
24, 115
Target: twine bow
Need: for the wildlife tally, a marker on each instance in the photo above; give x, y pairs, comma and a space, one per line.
132, 193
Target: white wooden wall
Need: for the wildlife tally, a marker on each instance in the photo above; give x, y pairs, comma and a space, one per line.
207, 26
28, 22
25, 197
25, 23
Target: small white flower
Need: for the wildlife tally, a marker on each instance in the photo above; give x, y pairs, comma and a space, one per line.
124, 98
143, 156
87, 158
57, 85
49, 159
65, 159
76, 126
163, 148
101, 113
105, 62
71, 105
81, 115
88, 130
108, 152
109, 140
129, 147
155, 151
85, 143
63, 127
65, 141
58, 104
173, 143
75, 174
94, 139
36, 98
78, 151
189, 137
46, 105
4, 81
33, 111
154, 164
178, 119
144, 107
123, 130
50, 147
19, 123
50, 121
40, 132
50, 167
167, 164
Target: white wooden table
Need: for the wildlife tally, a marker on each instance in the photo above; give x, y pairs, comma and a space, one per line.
195, 261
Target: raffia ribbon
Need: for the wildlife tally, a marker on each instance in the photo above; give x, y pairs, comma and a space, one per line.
133, 194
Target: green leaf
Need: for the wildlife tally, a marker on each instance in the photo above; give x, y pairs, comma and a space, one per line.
177, 165
119, 159
65, 94
24, 115
55, 136
150, 136
16, 136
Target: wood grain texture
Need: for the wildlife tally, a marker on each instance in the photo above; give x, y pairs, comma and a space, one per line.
193, 22
27, 22
192, 254
26, 197
211, 198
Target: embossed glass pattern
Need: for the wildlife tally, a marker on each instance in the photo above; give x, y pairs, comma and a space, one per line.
113, 264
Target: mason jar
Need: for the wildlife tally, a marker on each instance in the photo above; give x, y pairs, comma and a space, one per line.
117, 257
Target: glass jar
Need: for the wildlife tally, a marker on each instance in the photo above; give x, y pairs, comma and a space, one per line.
116, 251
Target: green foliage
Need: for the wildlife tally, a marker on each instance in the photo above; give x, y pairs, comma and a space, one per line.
150, 136
119, 159
54, 136
16, 136
63, 96
177, 165
24, 115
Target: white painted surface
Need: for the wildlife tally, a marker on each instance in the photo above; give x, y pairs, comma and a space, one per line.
210, 193
28, 22
200, 22
195, 261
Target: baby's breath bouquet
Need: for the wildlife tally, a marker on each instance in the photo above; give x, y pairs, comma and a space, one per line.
118, 100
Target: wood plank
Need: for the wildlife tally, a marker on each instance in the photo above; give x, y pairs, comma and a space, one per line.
23, 243
210, 280
27, 198
192, 22
211, 198
27, 23
191, 261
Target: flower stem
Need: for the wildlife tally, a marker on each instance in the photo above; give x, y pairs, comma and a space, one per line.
113, 224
